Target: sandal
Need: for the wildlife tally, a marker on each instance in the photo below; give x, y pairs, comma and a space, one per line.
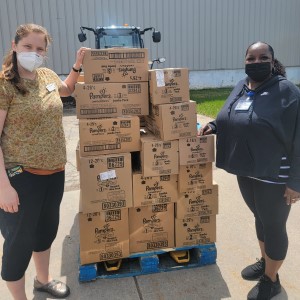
55, 288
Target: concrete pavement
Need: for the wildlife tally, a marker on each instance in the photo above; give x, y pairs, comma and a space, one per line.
236, 246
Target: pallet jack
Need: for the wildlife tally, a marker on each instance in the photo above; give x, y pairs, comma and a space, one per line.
112, 265
181, 256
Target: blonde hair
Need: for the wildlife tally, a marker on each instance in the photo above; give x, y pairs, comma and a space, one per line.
10, 67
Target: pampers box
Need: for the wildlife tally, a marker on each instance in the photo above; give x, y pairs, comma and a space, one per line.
115, 65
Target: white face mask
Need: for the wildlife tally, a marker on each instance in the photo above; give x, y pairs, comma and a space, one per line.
30, 61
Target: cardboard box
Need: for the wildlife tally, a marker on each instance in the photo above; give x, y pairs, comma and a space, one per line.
77, 157
115, 65
80, 202
151, 227
173, 121
81, 77
197, 203
194, 177
106, 182
103, 236
195, 230
169, 85
159, 157
150, 190
109, 135
111, 99
197, 150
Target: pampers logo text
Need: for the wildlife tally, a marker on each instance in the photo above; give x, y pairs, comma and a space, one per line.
197, 228
106, 229
154, 188
195, 175
125, 70
198, 200
102, 95
162, 155
99, 129
180, 118
153, 219
172, 83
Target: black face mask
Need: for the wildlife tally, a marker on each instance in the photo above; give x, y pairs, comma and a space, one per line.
258, 72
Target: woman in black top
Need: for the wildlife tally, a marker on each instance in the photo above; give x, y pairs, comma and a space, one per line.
258, 139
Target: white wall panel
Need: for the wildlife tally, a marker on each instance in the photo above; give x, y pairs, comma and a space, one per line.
198, 34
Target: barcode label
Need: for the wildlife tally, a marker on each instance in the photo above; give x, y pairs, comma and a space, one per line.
167, 145
110, 255
124, 139
185, 107
157, 245
163, 200
115, 162
134, 89
164, 172
98, 111
113, 215
112, 205
131, 111
159, 207
177, 73
125, 124
165, 178
99, 53
207, 192
176, 99
126, 55
98, 77
205, 219
101, 147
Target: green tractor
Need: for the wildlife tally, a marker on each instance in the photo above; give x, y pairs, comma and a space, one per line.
118, 36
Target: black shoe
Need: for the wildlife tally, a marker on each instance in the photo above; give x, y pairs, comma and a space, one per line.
254, 271
265, 289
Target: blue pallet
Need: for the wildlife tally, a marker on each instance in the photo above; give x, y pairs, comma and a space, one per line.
151, 262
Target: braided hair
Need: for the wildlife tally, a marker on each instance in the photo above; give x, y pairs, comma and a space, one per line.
279, 68
10, 66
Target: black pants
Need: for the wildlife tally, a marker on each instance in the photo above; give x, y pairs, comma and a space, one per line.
34, 226
270, 210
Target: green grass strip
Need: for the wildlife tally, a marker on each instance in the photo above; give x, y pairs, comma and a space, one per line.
210, 101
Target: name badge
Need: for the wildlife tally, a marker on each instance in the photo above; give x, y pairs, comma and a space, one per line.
244, 104
14, 171
51, 87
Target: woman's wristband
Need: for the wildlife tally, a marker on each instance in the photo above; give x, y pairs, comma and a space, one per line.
77, 70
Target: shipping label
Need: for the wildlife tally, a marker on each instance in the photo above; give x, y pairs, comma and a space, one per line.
112, 205
157, 244
115, 162
113, 215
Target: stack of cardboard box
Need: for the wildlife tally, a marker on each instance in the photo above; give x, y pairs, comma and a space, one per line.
111, 95
197, 204
173, 117
142, 189
155, 184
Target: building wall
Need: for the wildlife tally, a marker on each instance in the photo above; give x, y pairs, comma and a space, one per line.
207, 36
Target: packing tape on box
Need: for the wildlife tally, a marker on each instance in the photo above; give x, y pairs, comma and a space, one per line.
108, 175
160, 78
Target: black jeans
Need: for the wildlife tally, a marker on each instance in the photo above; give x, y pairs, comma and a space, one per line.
34, 226
271, 212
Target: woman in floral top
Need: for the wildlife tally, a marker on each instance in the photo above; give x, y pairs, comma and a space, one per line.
32, 159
